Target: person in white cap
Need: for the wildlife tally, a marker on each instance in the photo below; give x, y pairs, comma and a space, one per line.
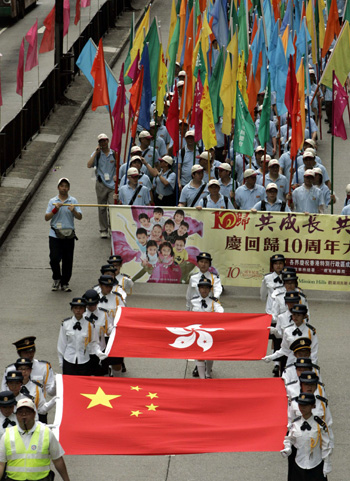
225, 180
215, 200
309, 156
195, 190
164, 182
247, 195
273, 176
285, 161
186, 159
160, 144
148, 153
261, 160
318, 182
307, 197
203, 162
103, 160
136, 162
347, 198
309, 144
134, 151
271, 145
272, 203
30, 436
133, 193
62, 234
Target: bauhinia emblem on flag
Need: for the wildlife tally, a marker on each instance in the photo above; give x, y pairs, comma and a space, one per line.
188, 336
169, 416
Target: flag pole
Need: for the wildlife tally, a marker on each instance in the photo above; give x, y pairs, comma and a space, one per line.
127, 132
264, 166
1, 92
39, 105
332, 143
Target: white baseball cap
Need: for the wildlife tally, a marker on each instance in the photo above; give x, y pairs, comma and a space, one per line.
273, 162
347, 189
196, 168
309, 173
225, 166
213, 182
133, 171
271, 185
204, 155
180, 83
182, 73
249, 173
310, 142
63, 179
189, 133
102, 137
169, 160
145, 135
135, 158
26, 403
317, 170
259, 149
309, 153
266, 158
136, 148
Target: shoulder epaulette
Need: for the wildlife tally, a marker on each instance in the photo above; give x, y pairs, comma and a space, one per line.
46, 362
214, 299
291, 382
66, 319
302, 294
296, 419
126, 275
97, 285
37, 383
321, 383
290, 365
9, 365
103, 309
29, 396
195, 297
267, 273
294, 398
280, 293
118, 294
321, 398
313, 329
321, 423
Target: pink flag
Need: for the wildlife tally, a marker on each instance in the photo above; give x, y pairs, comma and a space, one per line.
1, 103
77, 12
340, 101
85, 3
20, 70
118, 114
66, 17
135, 69
32, 53
197, 112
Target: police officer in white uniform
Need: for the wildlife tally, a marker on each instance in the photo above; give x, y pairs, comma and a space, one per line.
7, 407
204, 261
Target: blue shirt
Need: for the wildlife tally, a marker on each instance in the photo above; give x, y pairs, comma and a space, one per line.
227, 189
106, 168
122, 170
281, 182
302, 169
162, 189
186, 165
346, 210
276, 207
64, 218
247, 198
189, 193
285, 163
126, 193
307, 200
273, 134
143, 180
220, 204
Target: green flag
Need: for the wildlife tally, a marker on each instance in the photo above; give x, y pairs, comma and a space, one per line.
128, 80
244, 128
233, 17
264, 125
174, 44
200, 65
153, 46
242, 30
347, 12
215, 86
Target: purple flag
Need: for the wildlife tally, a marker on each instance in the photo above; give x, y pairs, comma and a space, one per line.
32, 53
118, 114
340, 101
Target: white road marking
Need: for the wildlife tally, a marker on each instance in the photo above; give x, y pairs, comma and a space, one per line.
3, 30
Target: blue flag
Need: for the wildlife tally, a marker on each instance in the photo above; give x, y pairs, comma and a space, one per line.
281, 77
272, 55
146, 96
287, 19
220, 23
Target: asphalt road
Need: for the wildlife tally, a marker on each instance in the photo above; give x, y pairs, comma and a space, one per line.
29, 307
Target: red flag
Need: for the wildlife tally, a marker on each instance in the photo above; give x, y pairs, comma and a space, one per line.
48, 40
340, 102
187, 67
297, 133
32, 53
85, 3
98, 72
134, 70
20, 70
290, 86
135, 101
276, 9
172, 123
197, 112
333, 27
118, 115
66, 17
98, 415
145, 333
77, 12
252, 94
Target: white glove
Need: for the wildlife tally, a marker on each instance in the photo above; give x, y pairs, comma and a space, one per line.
49, 405
273, 330
286, 452
327, 468
102, 356
267, 358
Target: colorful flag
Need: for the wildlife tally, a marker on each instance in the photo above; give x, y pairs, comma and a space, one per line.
242, 30
66, 16
339, 61
135, 101
187, 100
300, 78
311, 26
319, 19
346, 15
208, 126
85, 3
138, 41
152, 40
118, 115
174, 43
333, 27
162, 78
172, 121
146, 97
226, 96
264, 124
281, 77
20, 70
340, 102
169, 416
182, 30
214, 87
143, 333
98, 72
220, 24
244, 128
48, 40
290, 86
127, 62
297, 134
32, 52
173, 20
197, 112
77, 12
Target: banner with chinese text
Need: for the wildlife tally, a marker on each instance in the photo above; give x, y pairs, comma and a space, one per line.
162, 246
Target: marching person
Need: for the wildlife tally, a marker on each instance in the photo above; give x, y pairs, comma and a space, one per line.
272, 281
62, 234
78, 339
111, 294
133, 193
103, 161
215, 200
205, 303
272, 203
164, 182
247, 195
195, 190
124, 281
307, 197
27, 448
7, 406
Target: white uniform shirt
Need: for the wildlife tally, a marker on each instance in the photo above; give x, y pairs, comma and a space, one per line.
307, 200
12, 417
193, 291
103, 324
288, 338
279, 304
124, 282
269, 283
205, 304
42, 372
36, 394
113, 303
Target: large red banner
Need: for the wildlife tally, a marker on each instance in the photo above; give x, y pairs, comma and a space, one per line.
153, 333
98, 415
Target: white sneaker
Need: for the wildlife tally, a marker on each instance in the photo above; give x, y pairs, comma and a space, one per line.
104, 234
55, 285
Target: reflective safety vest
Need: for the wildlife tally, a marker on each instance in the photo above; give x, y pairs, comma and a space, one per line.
32, 463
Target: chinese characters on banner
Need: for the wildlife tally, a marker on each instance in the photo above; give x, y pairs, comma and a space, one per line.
240, 242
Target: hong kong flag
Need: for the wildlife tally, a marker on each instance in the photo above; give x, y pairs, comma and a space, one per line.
153, 333
98, 415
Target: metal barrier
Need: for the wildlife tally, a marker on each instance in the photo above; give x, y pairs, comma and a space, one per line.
15, 135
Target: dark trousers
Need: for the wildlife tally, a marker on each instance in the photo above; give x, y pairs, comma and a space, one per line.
328, 104
61, 250
77, 369
167, 200
295, 473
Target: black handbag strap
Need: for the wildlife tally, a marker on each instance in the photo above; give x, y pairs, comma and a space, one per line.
199, 193
133, 198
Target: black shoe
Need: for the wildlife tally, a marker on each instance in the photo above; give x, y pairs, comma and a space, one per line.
329, 131
123, 367
276, 371
195, 372
327, 121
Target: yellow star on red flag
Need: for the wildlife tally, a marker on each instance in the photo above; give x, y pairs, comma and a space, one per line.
100, 398
135, 388
152, 407
135, 413
152, 395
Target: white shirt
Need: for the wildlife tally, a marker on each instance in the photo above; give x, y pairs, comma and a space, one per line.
42, 372
307, 200
193, 291
210, 304
124, 282
289, 338
103, 324
114, 299
268, 285
12, 417
55, 448
279, 304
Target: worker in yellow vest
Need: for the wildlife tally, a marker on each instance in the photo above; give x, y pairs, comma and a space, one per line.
29, 447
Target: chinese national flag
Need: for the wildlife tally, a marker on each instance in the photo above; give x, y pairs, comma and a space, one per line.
153, 333
98, 72
98, 415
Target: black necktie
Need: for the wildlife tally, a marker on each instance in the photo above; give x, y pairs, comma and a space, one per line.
277, 279
92, 318
103, 299
77, 325
305, 425
297, 331
204, 304
8, 422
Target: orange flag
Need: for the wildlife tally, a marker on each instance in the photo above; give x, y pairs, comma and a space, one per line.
98, 72
251, 94
333, 27
182, 28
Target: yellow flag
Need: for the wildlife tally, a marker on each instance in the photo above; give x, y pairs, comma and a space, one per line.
233, 45
301, 91
139, 38
321, 27
162, 80
339, 61
173, 19
285, 38
182, 29
205, 34
242, 79
208, 126
311, 26
226, 95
